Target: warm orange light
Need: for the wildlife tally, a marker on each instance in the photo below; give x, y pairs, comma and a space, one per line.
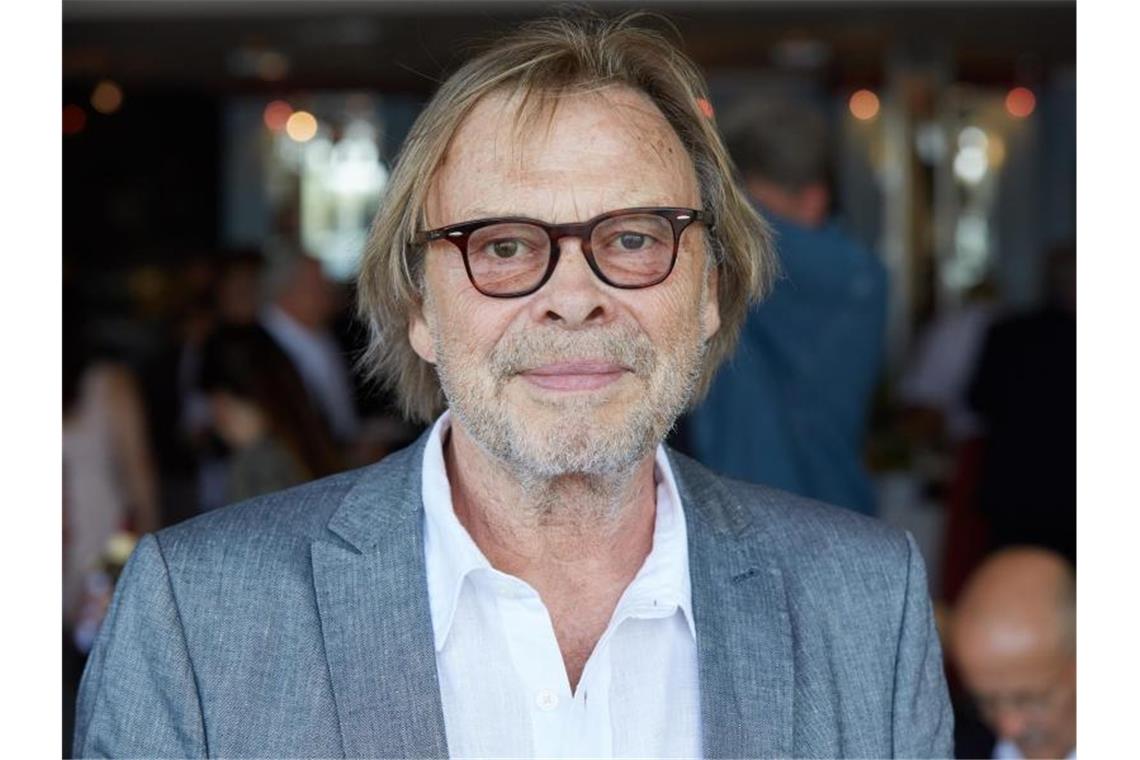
1020, 102
864, 105
706, 107
996, 151
277, 114
107, 97
301, 126
74, 119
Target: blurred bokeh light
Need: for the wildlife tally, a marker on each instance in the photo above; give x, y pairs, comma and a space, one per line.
864, 105
277, 114
1020, 102
301, 126
107, 97
74, 119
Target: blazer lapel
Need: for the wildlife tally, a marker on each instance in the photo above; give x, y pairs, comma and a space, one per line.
375, 616
744, 635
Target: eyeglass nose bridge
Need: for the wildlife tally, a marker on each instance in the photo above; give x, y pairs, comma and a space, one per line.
580, 230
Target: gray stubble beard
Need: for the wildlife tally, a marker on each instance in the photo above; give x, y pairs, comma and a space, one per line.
601, 460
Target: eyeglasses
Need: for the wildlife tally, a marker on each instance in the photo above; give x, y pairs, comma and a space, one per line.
509, 257
1032, 702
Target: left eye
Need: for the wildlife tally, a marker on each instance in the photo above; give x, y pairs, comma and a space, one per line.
632, 241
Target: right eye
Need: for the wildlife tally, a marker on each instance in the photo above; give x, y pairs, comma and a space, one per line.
506, 248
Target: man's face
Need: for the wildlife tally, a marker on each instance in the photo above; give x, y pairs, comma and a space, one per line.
1026, 692
579, 376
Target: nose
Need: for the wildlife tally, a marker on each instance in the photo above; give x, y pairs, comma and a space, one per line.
573, 297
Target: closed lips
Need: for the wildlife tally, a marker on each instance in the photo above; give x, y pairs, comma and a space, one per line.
584, 375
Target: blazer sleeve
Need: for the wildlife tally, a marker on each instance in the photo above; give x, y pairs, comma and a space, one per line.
923, 722
138, 696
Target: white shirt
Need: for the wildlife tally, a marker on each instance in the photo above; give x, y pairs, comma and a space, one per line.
502, 680
320, 363
1007, 750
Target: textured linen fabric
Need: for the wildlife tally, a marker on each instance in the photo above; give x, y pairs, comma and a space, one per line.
502, 679
298, 625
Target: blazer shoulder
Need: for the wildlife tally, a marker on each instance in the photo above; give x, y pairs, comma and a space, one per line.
297, 515
796, 526
301, 511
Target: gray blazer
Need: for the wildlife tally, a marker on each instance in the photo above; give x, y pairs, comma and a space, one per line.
297, 625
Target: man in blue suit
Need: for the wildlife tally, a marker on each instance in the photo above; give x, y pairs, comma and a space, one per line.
560, 263
790, 408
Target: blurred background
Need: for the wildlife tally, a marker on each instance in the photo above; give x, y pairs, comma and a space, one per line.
222, 162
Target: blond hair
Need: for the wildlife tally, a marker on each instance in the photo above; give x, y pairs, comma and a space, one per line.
548, 58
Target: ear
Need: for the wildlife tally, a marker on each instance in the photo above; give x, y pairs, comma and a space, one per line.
419, 333
710, 317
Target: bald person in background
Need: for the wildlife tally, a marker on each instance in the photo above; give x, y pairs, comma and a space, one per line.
1014, 640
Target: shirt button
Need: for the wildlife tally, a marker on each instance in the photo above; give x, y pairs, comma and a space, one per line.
546, 700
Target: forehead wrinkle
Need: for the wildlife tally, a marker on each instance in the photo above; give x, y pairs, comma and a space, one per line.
524, 160
657, 142
654, 140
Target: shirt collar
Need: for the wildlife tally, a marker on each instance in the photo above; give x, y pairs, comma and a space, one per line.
1005, 749
449, 550
451, 554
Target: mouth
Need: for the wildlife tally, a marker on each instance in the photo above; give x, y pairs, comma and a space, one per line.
575, 375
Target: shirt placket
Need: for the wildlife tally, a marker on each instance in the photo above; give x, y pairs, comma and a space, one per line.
537, 660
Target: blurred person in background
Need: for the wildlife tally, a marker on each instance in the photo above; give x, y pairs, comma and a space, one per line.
946, 430
110, 489
232, 295
1013, 639
303, 307
259, 407
790, 408
109, 482
1025, 391
935, 383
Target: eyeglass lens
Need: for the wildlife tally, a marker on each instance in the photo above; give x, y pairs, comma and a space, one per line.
630, 250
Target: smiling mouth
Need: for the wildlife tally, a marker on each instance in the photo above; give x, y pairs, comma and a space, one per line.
575, 376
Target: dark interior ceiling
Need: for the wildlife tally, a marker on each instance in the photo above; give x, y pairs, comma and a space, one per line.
406, 46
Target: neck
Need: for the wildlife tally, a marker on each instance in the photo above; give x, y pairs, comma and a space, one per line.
565, 536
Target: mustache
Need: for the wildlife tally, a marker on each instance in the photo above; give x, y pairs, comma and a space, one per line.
539, 346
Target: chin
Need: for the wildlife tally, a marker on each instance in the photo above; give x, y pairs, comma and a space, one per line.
581, 440
541, 434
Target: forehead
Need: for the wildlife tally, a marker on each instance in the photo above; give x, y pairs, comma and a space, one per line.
561, 159
999, 659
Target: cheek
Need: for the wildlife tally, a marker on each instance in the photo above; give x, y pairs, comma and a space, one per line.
468, 323
673, 313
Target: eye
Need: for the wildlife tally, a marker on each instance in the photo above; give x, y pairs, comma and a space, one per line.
507, 248
633, 236
632, 241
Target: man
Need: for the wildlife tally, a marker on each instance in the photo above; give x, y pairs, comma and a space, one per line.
1025, 391
563, 258
790, 409
1014, 640
303, 307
